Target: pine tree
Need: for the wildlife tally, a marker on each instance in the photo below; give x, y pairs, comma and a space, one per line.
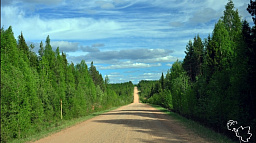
210, 63
9, 47
96, 77
33, 57
22, 46
162, 82
198, 54
189, 62
194, 58
31, 88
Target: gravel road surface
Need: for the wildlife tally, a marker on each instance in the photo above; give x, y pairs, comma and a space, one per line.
136, 122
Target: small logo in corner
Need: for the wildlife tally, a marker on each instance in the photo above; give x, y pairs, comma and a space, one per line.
243, 133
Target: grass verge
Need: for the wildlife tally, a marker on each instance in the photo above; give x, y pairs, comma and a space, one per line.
196, 127
63, 125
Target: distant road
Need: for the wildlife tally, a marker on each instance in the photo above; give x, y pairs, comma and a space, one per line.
136, 122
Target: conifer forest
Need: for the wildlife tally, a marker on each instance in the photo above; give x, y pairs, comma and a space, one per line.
33, 87
214, 83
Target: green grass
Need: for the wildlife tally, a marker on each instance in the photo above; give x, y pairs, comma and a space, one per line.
62, 125
197, 128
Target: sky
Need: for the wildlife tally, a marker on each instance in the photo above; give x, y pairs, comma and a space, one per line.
127, 40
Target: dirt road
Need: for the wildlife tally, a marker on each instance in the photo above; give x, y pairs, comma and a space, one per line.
136, 122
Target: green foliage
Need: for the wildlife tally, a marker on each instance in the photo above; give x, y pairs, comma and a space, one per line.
96, 76
216, 81
179, 85
124, 92
146, 89
193, 60
251, 9
32, 87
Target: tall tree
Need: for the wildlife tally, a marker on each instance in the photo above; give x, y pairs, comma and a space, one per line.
198, 54
222, 46
162, 82
194, 58
189, 62
96, 76
33, 57
233, 25
252, 10
23, 46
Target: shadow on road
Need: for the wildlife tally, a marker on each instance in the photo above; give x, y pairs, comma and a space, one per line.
148, 121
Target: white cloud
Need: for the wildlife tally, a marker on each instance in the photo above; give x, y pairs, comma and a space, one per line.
136, 33
141, 55
79, 28
93, 48
82, 28
204, 15
36, 28
127, 65
148, 74
159, 59
169, 65
90, 49
65, 46
115, 75
131, 54
151, 76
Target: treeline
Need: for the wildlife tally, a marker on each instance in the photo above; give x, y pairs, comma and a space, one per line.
148, 89
124, 92
216, 80
33, 86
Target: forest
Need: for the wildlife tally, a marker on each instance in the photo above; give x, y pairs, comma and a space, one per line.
33, 87
215, 82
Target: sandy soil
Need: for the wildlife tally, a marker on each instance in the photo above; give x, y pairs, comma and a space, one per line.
136, 122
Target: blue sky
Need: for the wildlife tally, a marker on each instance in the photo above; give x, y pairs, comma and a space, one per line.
128, 40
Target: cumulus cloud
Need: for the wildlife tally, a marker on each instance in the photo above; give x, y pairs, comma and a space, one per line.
131, 54
127, 28
145, 56
65, 46
93, 48
244, 13
89, 49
